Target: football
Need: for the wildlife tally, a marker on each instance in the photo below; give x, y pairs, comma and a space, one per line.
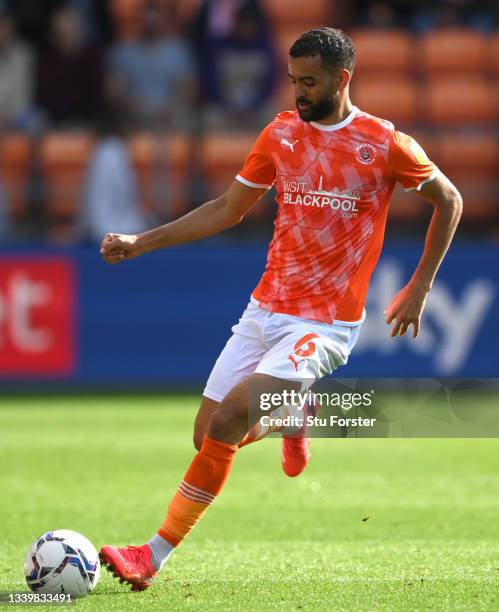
62, 561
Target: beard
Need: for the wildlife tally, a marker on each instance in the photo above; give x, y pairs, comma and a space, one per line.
318, 111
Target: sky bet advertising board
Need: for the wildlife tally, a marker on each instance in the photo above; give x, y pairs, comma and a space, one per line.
66, 317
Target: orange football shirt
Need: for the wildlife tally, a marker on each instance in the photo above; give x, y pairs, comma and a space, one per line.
333, 187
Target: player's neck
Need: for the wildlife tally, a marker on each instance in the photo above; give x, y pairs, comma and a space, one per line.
345, 107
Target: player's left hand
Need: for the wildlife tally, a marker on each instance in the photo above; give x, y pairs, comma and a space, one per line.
406, 309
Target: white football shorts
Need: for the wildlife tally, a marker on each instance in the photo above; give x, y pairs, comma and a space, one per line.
280, 345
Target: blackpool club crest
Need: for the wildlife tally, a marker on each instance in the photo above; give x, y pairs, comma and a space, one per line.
365, 154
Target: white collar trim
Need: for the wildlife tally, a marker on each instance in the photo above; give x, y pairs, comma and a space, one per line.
337, 126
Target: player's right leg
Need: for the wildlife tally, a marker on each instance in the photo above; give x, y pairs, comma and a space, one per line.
202, 483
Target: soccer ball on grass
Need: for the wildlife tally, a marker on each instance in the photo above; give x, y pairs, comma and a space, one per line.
62, 561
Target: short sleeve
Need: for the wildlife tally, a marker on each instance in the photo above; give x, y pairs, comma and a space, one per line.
408, 163
258, 169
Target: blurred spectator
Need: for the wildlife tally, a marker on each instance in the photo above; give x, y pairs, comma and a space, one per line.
5, 225
425, 14
111, 192
16, 73
97, 19
33, 18
237, 61
448, 13
153, 77
70, 73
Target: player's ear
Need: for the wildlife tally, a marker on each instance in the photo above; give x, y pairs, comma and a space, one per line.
344, 77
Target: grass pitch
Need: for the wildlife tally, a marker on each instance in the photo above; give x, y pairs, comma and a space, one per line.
372, 524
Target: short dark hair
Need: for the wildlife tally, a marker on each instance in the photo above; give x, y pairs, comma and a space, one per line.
334, 46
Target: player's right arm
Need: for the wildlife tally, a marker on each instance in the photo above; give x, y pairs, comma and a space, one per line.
206, 220
256, 176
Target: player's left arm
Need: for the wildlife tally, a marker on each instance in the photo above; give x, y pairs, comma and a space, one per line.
407, 306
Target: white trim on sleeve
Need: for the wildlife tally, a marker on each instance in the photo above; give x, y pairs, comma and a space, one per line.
251, 184
430, 178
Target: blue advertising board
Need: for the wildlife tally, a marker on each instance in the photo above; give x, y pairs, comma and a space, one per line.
162, 319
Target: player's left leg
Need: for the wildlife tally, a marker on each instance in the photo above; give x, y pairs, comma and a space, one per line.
306, 351
203, 417
203, 481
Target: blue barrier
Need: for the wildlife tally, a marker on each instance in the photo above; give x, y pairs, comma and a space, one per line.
163, 318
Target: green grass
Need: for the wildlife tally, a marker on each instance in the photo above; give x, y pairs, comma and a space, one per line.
385, 524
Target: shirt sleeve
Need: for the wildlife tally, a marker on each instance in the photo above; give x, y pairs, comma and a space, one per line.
258, 169
408, 163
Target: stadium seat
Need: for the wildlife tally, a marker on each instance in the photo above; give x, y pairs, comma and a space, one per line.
15, 160
284, 38
64, 158
469, 159
181, 158
125, 15
479, 201
493, 54
407, 206
385, 52
143, 148
453, 50
393, 98
313, 14
162, 165
461, 99
475, 153
222, 157
187, 9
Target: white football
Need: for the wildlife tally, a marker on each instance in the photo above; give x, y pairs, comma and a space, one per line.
62, 561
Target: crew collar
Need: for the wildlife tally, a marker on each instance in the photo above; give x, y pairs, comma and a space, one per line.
336, 126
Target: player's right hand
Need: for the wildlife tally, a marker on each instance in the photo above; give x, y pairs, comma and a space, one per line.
116, 248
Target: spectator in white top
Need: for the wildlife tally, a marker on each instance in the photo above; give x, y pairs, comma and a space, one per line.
16, 74
112, 198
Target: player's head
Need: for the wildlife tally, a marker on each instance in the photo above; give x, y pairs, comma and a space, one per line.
321, 63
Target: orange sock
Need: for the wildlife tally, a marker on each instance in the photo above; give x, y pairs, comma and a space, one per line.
203, 481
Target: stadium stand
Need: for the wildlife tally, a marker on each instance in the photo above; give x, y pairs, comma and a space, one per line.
63, 160
383, 52
406, 207
125, 14
143, 148
457, 100
15, 162
293, 12
222, 156
162, 165
441, 86
476, 152
493, 54
391, 97
453, 50
284, 38
470, 160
